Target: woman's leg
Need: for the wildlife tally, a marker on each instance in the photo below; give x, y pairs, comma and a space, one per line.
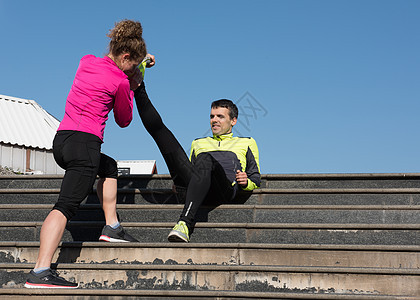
177, 161
51, 233
106, 188
107, 194
79, 154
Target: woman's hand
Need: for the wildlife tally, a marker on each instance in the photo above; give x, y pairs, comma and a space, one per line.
152, 60
135, 79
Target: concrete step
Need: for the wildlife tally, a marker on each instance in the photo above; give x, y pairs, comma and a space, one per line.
260, 196
31, 182
45, 196
335, 199
167, 197
303, 255
93, 294
54, 181
285, 233
283, 181
340, 181
403, 214
331, 280
309, 236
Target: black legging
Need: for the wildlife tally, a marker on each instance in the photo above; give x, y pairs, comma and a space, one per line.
198, 178
79, 153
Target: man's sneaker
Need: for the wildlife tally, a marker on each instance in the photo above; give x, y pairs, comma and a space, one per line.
179, 233
116, 235
48, 279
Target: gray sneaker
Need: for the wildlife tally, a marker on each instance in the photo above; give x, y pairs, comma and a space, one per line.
117, 235
48, 279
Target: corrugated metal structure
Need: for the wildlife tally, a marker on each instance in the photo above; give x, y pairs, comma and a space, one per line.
136, 167
26, 135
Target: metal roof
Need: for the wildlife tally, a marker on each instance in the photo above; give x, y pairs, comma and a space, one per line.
25, 123
134, 167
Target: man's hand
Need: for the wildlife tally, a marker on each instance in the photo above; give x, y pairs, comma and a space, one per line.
241, 178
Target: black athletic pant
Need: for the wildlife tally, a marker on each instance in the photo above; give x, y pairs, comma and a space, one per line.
205, 179
79, 153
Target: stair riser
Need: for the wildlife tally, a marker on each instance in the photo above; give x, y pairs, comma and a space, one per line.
166, 183
334, 236
340, 199
337, 216
140, 295
18, 183
341, 183
236, 235
255, 199
230, 281
123, 198
257, 257
233, 215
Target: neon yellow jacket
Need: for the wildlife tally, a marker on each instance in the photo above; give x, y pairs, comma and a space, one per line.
233, 153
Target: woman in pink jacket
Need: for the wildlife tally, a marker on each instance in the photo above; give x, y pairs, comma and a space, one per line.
100, 85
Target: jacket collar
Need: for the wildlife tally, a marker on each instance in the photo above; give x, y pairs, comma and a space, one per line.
223, 136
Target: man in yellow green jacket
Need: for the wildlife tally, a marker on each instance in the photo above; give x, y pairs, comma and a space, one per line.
219, 166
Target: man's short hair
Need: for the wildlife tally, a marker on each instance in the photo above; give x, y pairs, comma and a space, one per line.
233, 109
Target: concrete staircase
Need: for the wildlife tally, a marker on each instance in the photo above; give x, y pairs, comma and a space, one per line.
325, 236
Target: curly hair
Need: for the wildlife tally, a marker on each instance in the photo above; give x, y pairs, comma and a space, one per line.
126, 37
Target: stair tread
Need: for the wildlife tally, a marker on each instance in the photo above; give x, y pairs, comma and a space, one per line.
195, 293
263, 190
230, 225
226, 206
354, 239
263, 176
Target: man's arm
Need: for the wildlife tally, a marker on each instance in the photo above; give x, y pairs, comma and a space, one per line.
192, 154
252, 167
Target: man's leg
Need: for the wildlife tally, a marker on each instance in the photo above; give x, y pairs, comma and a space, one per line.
198, 188
177, 161
208, 175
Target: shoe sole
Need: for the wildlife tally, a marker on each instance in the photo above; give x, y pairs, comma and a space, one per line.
48, 286
105, 238
175, 237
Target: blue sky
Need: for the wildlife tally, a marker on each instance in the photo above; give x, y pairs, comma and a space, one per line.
323, 86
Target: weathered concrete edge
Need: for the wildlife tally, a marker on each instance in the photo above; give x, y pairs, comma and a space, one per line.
333, 247
188, 294
222, 268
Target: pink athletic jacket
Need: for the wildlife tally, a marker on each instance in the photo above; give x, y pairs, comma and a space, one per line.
98, 87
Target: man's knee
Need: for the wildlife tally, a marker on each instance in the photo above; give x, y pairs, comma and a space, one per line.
204, 160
